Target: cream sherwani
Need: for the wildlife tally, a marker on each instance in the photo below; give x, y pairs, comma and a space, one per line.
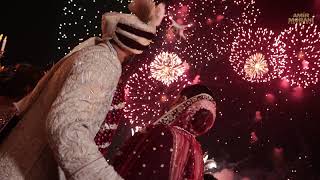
55, 137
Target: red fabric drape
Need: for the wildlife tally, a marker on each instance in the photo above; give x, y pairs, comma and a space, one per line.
162, 152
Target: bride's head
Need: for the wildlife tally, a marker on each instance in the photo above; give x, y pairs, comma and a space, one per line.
189, 92
194, 110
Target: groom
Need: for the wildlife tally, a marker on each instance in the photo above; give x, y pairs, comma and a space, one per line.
60, 117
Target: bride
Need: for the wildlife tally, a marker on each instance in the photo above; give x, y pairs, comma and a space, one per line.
168, 148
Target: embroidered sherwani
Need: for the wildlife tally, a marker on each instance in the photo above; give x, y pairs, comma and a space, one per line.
60, 118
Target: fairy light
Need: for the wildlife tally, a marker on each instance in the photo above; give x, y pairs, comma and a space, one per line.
299, 46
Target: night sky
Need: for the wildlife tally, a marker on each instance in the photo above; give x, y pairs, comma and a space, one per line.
31, 30
32, 26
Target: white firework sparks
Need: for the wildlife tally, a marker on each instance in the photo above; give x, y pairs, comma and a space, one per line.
167, 68
256, 66
251, 55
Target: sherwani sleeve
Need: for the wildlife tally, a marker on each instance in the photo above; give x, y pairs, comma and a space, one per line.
78, 111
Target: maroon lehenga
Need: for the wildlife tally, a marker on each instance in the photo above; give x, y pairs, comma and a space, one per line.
168, 149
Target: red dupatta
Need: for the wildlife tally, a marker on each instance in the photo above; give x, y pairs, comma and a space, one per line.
168, 149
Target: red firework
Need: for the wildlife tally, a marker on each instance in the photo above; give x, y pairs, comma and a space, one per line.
299, 47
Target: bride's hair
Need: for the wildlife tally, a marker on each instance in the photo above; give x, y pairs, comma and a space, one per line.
194, 90
195, 114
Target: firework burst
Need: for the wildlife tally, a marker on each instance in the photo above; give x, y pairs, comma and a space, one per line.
251, 55
299, 46
167, 67
256, 66
199, 45
147, 99
230, 17
205, 28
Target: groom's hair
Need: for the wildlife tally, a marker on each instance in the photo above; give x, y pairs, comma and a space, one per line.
194, 90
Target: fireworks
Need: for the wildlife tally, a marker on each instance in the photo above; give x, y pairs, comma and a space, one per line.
207, 36
167, 67
184, 35
251, 55
256, 66
299, 46
81, 20
230, 17
146, 99
208, 25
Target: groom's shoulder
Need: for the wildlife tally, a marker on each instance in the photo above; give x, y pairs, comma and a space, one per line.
94, 57
94, 49
93, 54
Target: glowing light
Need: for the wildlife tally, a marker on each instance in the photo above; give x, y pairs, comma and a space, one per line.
135, 130
211, 165
284, 84
167, 67
164, 98
270, 98
297, 93
251, 55
299, 47
301, 55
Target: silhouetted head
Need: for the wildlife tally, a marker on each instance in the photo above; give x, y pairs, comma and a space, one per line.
194, 109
